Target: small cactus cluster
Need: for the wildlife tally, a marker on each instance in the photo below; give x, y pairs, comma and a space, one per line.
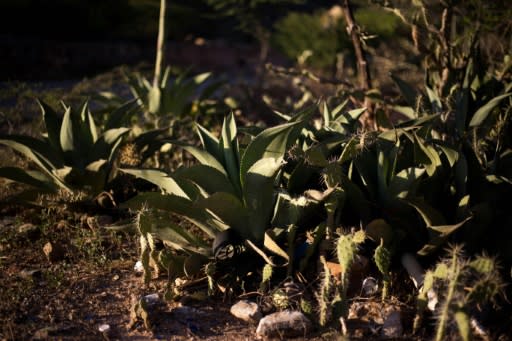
332, 296
266, 276
325, 294
382, 257
464, 285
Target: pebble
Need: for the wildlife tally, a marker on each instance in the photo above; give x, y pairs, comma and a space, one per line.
104, 328
284, 324
29, 231
247, 311
54, 252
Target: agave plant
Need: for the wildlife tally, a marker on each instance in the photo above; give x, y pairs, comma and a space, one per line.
72, 155
227, 189
173, 99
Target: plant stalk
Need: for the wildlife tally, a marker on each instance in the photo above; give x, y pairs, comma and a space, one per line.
363, 70
160, 44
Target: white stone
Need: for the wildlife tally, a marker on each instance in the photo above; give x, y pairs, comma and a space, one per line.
247, 311
284, 324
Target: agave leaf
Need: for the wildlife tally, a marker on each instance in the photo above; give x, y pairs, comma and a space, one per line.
208, 178
366, 166
52, 123
435, 102
154, 103
201, 78
259, 194
349, 151
451, 154
67, 137
39, 152
165, 77
336, 112
178, 237
230, 210
482, 113
427, 155
32, 178
159, 178
326, 114
403, 182
406, 111
204, 157
89, 129
438, 236
230, 151
106, 146
353, 115
175, 204
430, 215
210, 143
272, 142
36, 150
120, 115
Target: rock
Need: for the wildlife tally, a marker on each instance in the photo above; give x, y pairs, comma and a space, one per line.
247, 311
54, 252
284, 324
138, 267
29, 231
104, 328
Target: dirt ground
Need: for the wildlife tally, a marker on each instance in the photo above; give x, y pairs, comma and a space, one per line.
90, 284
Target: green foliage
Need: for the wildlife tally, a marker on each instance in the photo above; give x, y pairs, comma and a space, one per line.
174, 98
72, 155
382, 257
462, 285
226, 189
298, 32
323, 33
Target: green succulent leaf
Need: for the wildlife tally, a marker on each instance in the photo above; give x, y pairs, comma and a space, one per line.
106, 146
208, 178
159, 178
230, 151
155, 100
210, 143
67, 137
403, 182
482, 113
175, 204
230, 210
31, 178
259, 193
430, 215
120, 115
52, 123
427, 155
272, 142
